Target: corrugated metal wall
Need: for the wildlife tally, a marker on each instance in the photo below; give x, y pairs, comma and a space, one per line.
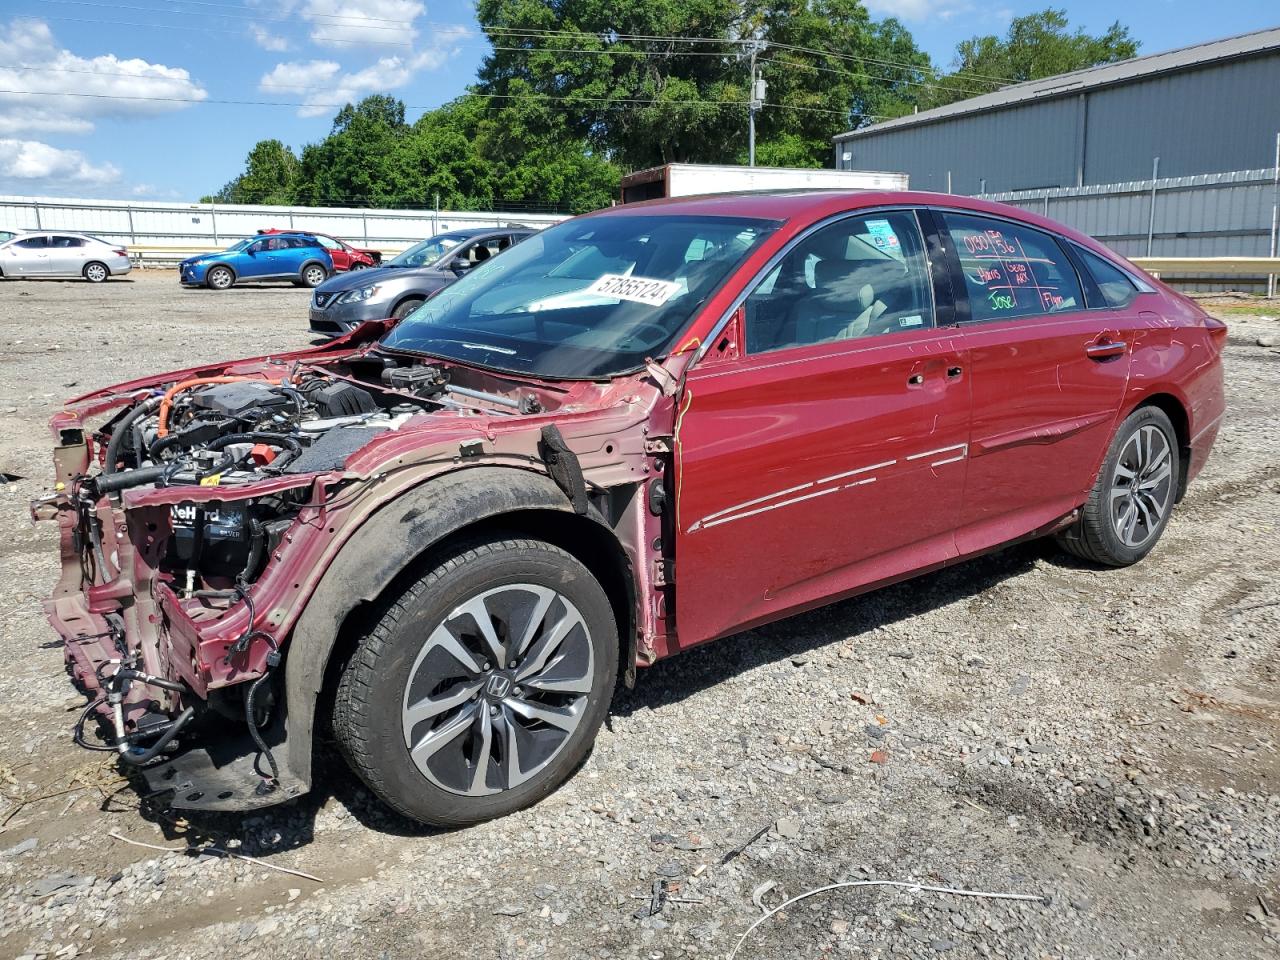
1222, 116
1210, 215
1015, 149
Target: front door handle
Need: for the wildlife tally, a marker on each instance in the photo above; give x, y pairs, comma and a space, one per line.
1105, 349
953, 372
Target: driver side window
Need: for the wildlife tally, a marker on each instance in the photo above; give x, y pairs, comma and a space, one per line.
859, 277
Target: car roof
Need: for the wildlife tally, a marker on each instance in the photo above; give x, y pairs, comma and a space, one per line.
812, 205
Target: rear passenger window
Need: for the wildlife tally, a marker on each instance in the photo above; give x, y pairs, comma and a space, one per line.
1117, 289
1012, 271
858, 277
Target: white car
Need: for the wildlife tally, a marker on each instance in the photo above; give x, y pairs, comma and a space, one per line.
53, 254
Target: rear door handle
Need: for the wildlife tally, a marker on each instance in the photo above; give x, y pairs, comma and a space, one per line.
1106, 349
953, 372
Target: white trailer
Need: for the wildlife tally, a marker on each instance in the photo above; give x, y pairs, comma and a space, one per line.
691, 179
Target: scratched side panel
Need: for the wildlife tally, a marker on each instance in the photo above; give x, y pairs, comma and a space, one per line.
797, 467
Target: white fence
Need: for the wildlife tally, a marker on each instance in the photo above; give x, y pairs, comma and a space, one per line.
168, 231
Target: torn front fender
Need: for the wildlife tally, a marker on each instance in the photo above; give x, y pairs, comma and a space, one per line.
399, 533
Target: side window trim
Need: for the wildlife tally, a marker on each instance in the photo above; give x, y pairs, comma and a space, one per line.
946, 305
963, 309
1093, 298
713, 335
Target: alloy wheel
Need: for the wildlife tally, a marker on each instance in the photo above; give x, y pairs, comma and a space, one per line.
314, 276
1141, 486
95, 273
220, 278
498, 689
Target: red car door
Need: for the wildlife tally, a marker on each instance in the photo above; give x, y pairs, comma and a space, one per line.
1047, 373
829, 455
337, 253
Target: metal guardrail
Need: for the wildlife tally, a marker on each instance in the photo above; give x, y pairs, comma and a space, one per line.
1217, 266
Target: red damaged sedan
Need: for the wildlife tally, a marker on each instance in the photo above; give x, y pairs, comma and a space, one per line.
637, 431
344, 256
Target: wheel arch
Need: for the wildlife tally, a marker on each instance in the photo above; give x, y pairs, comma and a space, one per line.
235, 274
315, 261
405, 297
1175, 409
89, 263
392, 546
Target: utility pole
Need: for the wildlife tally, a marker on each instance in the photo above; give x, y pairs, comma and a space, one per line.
758, 89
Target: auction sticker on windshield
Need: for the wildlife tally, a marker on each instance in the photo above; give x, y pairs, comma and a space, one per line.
639, 289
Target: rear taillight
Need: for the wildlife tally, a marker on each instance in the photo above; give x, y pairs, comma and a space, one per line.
1217, 332
120, 252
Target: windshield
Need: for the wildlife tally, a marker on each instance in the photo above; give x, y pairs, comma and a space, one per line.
427, 252
240, 245
585, 299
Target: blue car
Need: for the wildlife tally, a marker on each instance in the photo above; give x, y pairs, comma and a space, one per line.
281, 256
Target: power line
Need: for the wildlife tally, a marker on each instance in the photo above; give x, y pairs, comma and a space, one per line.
528, 33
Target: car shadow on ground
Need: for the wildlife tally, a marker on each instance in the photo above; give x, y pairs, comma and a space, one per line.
674, 679
292, 825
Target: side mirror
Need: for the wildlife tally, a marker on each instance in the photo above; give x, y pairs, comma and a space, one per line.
461, 265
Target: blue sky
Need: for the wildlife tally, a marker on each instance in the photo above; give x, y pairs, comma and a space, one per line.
315, 53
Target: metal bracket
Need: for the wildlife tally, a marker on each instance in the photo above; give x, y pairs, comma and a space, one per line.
664, 572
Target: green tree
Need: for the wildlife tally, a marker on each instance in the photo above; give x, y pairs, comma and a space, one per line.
1036, 45
270, 177
643, 102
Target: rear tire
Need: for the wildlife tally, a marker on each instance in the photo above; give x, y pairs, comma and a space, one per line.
95, 272
1133, 496
313, 274
449, 728
406, 307
219, 278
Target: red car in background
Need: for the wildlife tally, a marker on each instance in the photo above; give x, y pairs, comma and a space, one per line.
345, 257
444, 537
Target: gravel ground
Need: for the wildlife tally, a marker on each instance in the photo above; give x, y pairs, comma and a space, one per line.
1107, 740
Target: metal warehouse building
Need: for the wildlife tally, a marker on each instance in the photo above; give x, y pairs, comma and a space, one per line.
1203, 109
1173, 155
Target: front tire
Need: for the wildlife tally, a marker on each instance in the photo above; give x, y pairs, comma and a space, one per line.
406, 307
219, 278
96, 272
1133, 496
482, 685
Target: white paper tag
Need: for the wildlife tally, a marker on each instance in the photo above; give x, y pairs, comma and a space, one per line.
638, 289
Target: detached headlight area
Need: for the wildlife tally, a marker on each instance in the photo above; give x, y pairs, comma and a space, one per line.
358, 296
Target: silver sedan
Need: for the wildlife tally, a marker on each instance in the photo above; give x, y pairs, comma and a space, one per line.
62, 255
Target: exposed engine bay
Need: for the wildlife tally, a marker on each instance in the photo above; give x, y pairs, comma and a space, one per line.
201, 483
228, 431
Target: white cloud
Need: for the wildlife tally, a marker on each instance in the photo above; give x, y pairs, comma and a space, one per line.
31, 160
44, 78
266, 39
375, 22
324, 87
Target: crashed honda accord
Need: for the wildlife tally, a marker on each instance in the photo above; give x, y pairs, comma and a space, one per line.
441, 541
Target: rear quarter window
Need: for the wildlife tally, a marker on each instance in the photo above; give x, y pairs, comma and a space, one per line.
1117, 289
